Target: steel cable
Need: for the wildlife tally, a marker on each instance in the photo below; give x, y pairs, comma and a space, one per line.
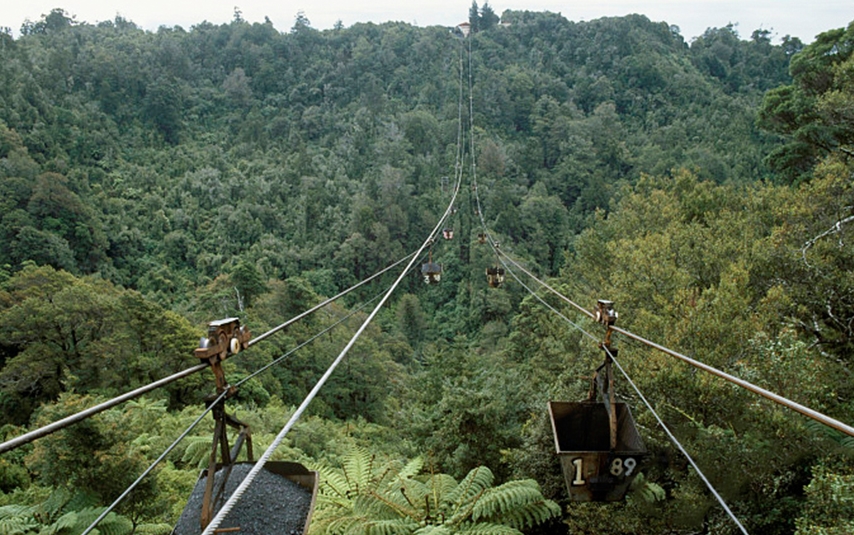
673, 439
217, 400
259, 465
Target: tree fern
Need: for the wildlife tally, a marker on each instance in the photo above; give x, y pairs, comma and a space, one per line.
364, 498
153, 529
486, 528
519, 504
395, 526
197, 451
433, 530
647, 490
358, 469
112, 524
17, 519
471, 487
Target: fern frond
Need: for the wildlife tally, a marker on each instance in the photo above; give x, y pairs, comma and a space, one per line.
412, 468
197, 452
15, 511
397, 526
332, 481
507, 504
439, 486
63, 524
346, 525
486, 528
382, 507
153, 529
358, 468
433, 530
531, 514
650, 492
112, 524
475, 482
17, 519
55, 503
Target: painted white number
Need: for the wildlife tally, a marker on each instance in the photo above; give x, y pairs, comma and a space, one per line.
579, 474
630, 465
619, 465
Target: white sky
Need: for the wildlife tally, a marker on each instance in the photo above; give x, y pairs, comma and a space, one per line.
799, 18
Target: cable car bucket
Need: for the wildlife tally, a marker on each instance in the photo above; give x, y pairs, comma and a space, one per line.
431, 271
598, 443
280, 501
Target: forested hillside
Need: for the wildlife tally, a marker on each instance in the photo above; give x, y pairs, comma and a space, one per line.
154, 181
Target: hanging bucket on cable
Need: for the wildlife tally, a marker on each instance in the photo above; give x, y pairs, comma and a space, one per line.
593, 471
280, 501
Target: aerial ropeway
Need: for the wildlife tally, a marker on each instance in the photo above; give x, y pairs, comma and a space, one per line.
431, 271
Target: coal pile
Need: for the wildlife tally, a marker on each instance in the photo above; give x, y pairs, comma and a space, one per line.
272, 505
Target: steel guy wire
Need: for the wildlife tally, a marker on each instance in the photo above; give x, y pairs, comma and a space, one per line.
326, 302
86, 413
308, 341
797, 407
678, 444
91, 411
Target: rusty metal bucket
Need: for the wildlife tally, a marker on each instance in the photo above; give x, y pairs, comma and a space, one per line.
594, 472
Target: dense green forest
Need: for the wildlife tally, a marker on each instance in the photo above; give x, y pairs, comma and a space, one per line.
151, 182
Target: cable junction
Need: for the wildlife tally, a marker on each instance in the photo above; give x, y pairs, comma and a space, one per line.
797, 407
259, 464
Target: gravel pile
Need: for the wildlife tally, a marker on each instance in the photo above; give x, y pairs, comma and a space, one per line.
272, 505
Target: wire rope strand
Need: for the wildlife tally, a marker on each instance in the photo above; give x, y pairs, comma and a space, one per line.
87, 413
217, 400
767, 394
259, 465
326, 302
312, 339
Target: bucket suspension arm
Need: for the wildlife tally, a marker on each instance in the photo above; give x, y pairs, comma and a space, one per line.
606, 315
225, 338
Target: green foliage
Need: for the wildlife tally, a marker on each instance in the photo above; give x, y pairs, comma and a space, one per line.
60, 514
362, 497
64, 333
829, 498
813, 113
237, 170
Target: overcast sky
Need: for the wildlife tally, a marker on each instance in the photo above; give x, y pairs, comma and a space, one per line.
799, 18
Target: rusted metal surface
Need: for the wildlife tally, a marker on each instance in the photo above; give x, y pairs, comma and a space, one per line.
494, 276
226, 337
592, 468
